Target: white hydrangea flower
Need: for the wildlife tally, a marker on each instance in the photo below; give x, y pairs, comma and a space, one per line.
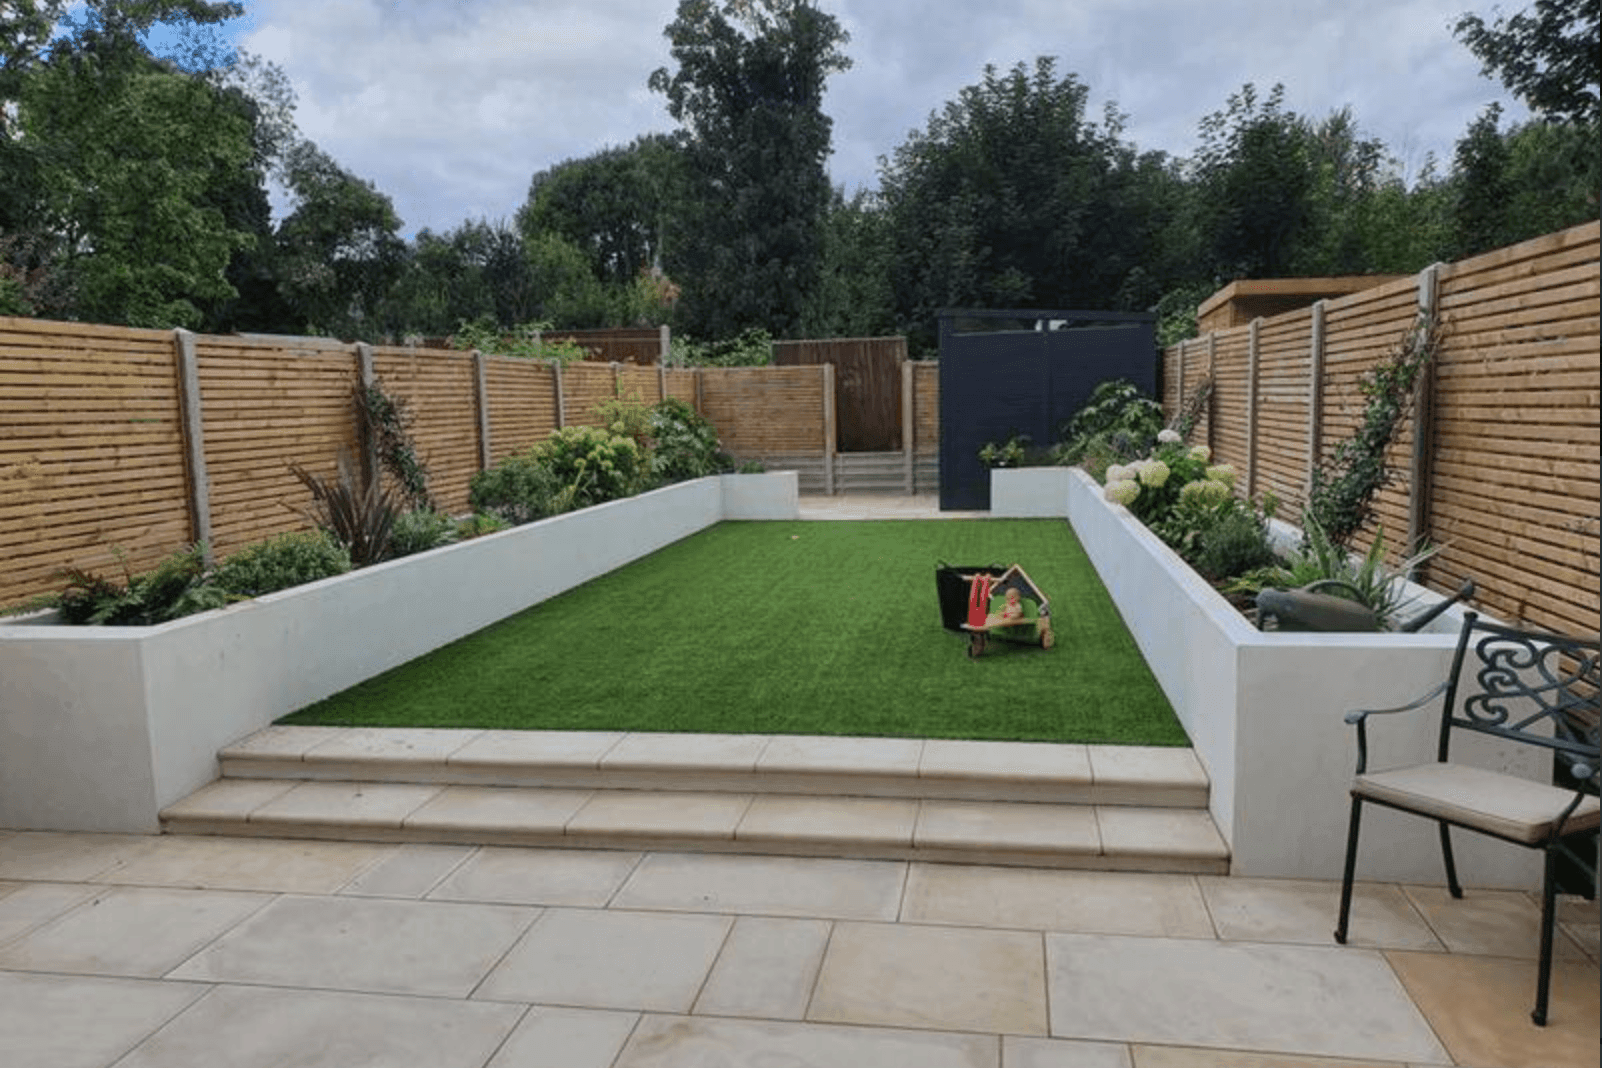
1168, 437
1153, 473
1204, 491
1123, 491
1201, 452
1224, 473
1119, 473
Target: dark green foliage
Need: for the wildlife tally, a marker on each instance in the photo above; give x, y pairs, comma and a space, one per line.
1548, 55
173, 589
1344, 485
479, 524
359, 512
280, 563
1233, 542
420, 531
593, 465
685, 444
480, 270
1116, 425
385, 425
519, 489
749, 348
1009, 453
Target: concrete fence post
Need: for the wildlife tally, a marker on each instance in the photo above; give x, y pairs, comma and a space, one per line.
1315, 396
481, 388
368, 378
1422, 467
1212, 395
1179, 387
194, 441
1253, 347
828, 429
665, 346
561, 400
909, 437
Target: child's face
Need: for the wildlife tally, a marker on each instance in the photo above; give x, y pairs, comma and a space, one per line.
1012, 596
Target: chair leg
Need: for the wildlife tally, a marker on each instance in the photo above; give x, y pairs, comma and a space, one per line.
1451, 865
1543, 981
1351, 869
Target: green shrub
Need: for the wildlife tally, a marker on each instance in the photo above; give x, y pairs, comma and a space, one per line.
280, 563
1235, 542
173, 589
420, 531
627, 418
1116, 425
685, 444
519, 489
751, 348
358, 512
593, 465
479, 524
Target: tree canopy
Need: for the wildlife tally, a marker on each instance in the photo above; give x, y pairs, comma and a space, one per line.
1549, 56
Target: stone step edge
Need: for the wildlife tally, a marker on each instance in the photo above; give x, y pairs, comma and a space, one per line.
613, 760
1082, 836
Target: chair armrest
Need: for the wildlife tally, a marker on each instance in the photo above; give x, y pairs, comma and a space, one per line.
1359, 719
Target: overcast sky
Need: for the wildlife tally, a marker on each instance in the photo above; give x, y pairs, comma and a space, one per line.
450, 106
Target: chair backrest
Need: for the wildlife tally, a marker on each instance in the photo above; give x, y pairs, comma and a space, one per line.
1529, 686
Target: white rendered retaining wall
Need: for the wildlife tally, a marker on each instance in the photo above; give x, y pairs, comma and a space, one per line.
1265, 714
102, 727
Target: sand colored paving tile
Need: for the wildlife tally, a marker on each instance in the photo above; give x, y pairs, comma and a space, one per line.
1018, 1052
270, 864
1480, 1007
56, 1021
131, 931
227, 799
1041, 899
846, 823
632, 815
1269, 998
805, 754
281, 742
498, 810
1136, 833
410, 871
899, 975
1491, 923
414, 745
243, 1027
1020, 764
681, 752
566, 1038
1192, 1057
68, 857
26, 906
374, 945
360, 804
572, 750
579, 877
1288, 910
766, 886
674, 1042
1007, 826
585, 958
767, 969
1122, 772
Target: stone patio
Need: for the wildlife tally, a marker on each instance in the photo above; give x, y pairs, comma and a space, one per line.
191, 952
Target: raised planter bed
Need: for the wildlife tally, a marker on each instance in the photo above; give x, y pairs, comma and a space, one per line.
101, 727
1029, 492
1264, 712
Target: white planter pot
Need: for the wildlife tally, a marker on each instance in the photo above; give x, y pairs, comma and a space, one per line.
1265, 714
102, 727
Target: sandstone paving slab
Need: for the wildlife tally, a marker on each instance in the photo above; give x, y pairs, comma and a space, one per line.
1491, 923
1192, 1057
631, 815
29, 905
245, 1027
68, 857
566, 1038
511, 750
131, 931
1480, 1008
1046, 900
351, 804
1138, 833
677, 1041
814, 755
767, 969
56, 1021
950, 978
1066, 767
1007, 826
268, 864
1327, 1001
228, 799
498, 810
280, 742
1017, 1052
821, 888
1129, 774
411, 871
390, 745
1305, 911
840, 823
686, 752
579, 877
364, 944
585, 958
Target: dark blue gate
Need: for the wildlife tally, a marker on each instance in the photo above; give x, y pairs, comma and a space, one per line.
1026, 372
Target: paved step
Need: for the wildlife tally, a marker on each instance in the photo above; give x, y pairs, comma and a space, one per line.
1100, 807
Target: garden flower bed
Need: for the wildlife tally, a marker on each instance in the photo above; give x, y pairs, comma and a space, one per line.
101, 727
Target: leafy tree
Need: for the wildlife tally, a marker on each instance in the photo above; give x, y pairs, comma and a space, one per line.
1549, 56
339, 250
1479, 212
480, 270
854, 298
748, 90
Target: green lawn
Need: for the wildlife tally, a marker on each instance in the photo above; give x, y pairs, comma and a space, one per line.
791, 628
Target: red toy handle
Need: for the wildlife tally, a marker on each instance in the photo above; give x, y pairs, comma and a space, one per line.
978, 600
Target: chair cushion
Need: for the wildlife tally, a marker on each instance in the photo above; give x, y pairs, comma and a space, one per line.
1489, 801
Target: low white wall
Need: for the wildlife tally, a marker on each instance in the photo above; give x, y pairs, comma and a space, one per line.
771, 495
1265, 714
1029, 492
100, 728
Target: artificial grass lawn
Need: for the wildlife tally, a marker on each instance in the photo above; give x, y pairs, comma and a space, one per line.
791, 628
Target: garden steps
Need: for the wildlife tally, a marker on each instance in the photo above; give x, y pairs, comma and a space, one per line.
1096, 807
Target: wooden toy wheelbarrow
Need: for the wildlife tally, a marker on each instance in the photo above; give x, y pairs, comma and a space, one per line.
985, 602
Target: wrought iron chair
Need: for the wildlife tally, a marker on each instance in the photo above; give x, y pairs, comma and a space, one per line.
1535, 688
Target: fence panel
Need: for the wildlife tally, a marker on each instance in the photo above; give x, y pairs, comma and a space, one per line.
926, 406
765, 411
1226, 431
584, 386
91, 451
522, 404
1284, 405
442, 385
867, 384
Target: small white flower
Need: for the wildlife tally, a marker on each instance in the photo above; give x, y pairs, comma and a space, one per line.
1123, 491
1201, 452
1168, 437
1118, 473
1153, 473
1224, 473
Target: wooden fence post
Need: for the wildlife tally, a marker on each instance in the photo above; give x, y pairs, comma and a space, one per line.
1253, 345
909, 439
1421, 481
194, 442
481, 386
828, 429
1315, 397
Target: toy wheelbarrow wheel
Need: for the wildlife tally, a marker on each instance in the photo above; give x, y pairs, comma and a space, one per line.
1047, 638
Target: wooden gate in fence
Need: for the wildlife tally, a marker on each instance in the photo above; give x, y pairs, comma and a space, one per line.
867, 386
